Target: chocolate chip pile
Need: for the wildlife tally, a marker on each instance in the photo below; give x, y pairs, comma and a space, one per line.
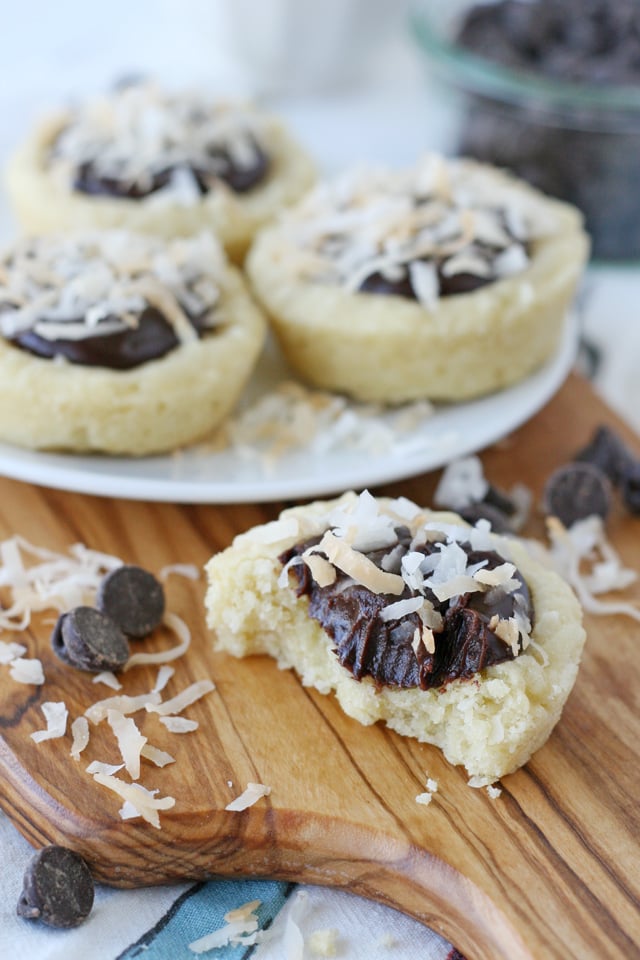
596, 41
585, 486
582, 151
130, 605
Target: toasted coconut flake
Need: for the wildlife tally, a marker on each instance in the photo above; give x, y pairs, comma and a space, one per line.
179, 724
359, 567
428, 640
179, 627
124, 704
158, 757
243, 912
24, 670
10, 651
130, 741
144, 801
56, 715
253, 793
507, 631
323, 572
184, 699
80, 735
108, 678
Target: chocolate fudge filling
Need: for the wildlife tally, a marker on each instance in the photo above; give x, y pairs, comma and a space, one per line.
239, 178
152, 338
368, 646
447, 286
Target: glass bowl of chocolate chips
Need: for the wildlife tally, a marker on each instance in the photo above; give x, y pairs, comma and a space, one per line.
550, 90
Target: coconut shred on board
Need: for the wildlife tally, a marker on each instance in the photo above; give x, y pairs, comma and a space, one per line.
35, 579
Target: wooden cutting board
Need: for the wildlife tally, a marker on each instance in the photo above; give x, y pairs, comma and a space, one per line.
549, 870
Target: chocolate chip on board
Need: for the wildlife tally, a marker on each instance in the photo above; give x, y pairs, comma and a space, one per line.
486, 511
133, 598
630, 487
58, 888
608, 452
576, 491
90, 640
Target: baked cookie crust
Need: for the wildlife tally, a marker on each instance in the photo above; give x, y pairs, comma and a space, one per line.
491, 724
171, 401
391, 349
44, 202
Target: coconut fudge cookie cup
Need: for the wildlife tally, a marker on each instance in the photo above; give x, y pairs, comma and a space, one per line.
447, 281
447, 633
167, 164
121, 343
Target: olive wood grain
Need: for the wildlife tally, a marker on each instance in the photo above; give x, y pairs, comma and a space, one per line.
549, 870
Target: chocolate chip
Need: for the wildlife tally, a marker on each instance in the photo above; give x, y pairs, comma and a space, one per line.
58, 888
500, 500
630, 488
133, 598
576, 491
485, 511
608, 452
90, 640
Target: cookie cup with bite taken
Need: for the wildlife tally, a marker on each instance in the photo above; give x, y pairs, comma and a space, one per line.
446, 281
120, 343
446, 632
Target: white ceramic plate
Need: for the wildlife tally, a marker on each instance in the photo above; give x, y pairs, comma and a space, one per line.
197, 475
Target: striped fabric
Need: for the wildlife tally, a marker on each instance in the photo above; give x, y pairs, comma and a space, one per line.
160, 923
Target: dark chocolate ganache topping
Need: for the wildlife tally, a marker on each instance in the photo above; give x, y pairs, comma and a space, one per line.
222, 166
386, 651
109, 299
151, 338
438, 229
141, 139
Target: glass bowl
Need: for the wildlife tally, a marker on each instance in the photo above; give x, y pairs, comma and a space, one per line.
580, 142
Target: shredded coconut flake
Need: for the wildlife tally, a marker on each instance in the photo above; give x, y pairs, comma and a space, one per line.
253, 793
183, 633
130, 741
80, 735
108, 678
124, 704
142, 800
158, 757
56, 715
10, 651
184, 699
179, 724
23, 670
